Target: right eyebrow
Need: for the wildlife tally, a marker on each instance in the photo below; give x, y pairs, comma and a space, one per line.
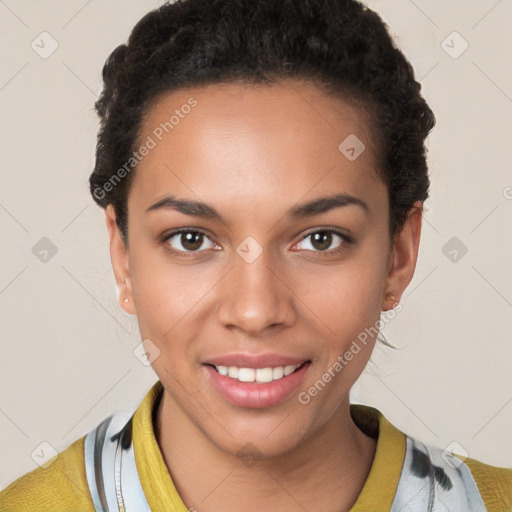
187, 207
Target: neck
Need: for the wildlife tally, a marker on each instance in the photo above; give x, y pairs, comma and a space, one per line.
325, 472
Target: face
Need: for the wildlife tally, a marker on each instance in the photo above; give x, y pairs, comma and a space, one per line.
258, 247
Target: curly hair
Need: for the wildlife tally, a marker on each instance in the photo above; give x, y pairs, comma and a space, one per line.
341, 46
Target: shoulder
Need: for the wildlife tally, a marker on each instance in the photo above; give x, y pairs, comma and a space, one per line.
494, 484
433, 477
61, 485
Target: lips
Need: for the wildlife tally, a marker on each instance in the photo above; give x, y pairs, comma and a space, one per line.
255, 381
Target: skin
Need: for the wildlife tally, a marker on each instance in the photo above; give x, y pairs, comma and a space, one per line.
253, 153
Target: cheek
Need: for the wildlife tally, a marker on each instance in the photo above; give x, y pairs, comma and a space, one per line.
346, 297
163, 293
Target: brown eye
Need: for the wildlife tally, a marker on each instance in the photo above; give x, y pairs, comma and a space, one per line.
323, 241
191, 241
187, 241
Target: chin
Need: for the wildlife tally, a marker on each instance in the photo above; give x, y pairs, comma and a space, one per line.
253, 439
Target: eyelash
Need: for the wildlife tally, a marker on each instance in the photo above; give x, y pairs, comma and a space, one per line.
347, 240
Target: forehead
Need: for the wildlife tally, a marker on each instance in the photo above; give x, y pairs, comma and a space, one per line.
236, 139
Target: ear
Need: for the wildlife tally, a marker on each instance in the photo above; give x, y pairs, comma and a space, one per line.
120, 262
403, 258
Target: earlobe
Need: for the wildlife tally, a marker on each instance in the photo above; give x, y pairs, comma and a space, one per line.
120, 262
390, 302
403, 257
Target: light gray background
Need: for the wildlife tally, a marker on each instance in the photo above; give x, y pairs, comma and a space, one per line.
67, 347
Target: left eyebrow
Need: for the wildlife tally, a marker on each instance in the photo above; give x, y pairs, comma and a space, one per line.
311, 208
324, 204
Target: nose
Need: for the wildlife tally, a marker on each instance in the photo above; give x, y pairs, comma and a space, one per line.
256, 296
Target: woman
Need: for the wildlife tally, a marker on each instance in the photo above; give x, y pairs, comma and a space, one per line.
263, 170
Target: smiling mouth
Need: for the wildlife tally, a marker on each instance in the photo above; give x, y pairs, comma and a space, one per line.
258, 375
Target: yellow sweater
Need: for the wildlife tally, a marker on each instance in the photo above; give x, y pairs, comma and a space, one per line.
62, 485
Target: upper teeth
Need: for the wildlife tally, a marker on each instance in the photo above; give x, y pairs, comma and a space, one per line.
256, 374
